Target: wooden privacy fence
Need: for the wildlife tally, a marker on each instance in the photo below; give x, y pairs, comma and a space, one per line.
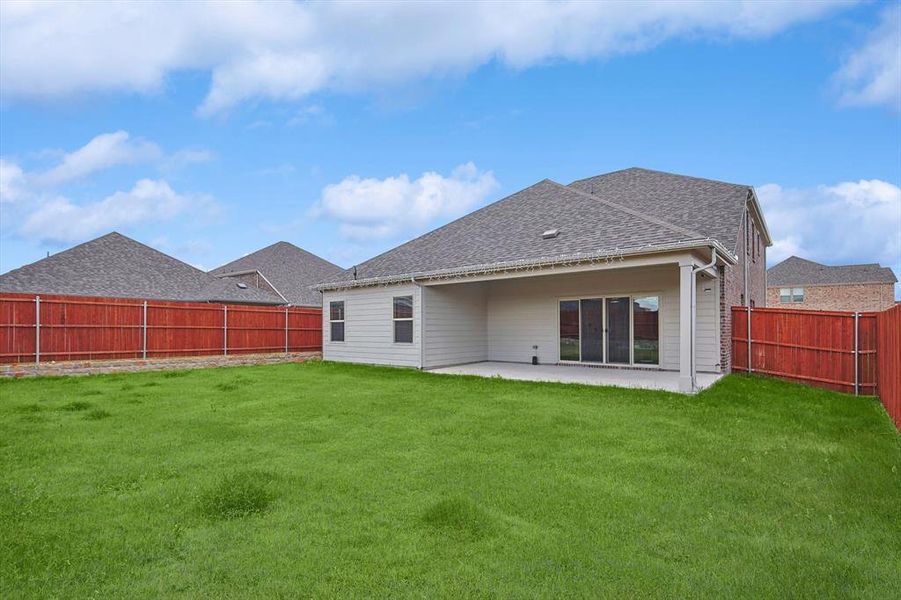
858, 353
888, 326
59, 328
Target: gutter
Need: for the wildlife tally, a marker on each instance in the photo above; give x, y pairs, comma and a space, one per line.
516, 265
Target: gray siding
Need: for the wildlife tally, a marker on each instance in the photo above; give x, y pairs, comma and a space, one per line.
502, 320
369, 327
455, 324
523, 312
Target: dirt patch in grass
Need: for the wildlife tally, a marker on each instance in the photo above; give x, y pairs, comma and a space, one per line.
171, 374
76, 406
239, 494
460, 517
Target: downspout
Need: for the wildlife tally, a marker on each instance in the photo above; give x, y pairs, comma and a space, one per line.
747, 234
421, 322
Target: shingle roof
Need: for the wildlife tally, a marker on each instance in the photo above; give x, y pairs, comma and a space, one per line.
291, 270
799, 271
116, 266
712, 208
626, 210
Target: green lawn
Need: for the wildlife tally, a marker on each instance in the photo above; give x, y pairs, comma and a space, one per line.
334, 480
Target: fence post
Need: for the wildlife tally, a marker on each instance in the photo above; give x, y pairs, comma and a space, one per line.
144, 333
37, 329
286, 330
749, 339
225, 329
856, 353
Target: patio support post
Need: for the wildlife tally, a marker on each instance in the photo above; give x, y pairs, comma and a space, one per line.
686, 326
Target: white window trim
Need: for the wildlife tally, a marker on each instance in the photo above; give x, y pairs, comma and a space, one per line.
604, 297
394, 320
330, 321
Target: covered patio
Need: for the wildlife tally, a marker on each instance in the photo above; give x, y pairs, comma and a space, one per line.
586, 375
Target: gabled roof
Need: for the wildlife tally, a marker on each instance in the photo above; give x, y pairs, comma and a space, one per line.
631, 211
291, 270
712, 208
799, 271
116, 266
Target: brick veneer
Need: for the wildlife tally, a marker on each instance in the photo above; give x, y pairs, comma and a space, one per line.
732, 288
861, 297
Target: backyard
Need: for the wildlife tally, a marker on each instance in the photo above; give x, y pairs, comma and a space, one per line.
322, 479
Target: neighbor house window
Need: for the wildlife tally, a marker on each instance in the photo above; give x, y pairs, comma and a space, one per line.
403, 319
791, 295
336, 320
646, 330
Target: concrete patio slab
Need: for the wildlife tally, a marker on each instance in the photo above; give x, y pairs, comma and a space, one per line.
627, 378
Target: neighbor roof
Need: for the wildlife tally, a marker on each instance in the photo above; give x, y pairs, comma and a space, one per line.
799, 271
636, 209
292, 271
116, 266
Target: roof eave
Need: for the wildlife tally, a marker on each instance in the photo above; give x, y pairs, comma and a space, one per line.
507, 266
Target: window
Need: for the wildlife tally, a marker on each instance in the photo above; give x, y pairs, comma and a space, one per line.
646, 330
403, 319
791, 295
336, 320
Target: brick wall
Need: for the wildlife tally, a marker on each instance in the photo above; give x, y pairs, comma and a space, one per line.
861, 297
732, 286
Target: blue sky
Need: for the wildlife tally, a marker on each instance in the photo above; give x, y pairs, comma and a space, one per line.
209, 131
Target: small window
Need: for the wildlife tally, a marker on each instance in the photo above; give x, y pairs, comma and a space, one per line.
797, 295
785, 295
403, 319
336, 320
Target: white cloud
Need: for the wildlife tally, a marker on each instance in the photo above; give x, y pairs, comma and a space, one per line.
104, 151
370, 209
13, 187
871, 75
851, 222
288, 50
58, 219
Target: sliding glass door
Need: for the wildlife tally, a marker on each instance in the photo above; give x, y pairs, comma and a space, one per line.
618, 345
620, 330
592, 330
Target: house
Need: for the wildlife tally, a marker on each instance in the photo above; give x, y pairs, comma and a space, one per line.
282, 269
634, 269
117, 266
800, 283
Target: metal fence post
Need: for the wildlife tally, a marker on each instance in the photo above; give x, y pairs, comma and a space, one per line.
37, 329
749, 340
286, 330
225, 329
144, 333
856, 354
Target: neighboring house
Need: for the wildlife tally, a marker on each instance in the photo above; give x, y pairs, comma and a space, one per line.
117, 266
634, 268
283, 269
801, 283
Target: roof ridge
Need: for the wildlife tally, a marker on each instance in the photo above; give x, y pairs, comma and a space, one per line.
663, 173
633, 212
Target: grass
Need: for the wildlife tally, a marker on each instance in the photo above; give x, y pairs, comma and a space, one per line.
330, 480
